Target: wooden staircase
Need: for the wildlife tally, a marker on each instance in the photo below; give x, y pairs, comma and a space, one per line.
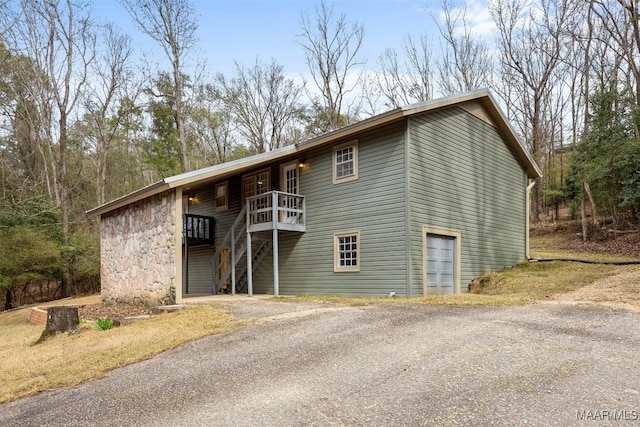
271, 211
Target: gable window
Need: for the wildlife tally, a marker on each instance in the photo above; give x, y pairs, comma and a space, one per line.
345, 162
222, 196
346, 249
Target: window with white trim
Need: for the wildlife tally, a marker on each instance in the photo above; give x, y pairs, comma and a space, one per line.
255, 183
222, 196
345, 162
346, 251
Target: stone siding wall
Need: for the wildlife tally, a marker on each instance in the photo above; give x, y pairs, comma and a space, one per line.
138, 251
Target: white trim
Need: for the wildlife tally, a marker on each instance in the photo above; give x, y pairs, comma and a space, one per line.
283, 178
255, 173
352, 177
177, 282
337, 268
224, 184
426, 229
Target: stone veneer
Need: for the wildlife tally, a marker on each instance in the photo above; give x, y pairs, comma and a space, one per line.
138, 250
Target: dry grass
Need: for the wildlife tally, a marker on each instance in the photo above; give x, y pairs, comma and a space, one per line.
540, 247
459, 299
66, 360
530, 282
622, 289
91, 299
521, 284
69, 359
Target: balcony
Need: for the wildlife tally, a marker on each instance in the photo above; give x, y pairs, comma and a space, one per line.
276, 210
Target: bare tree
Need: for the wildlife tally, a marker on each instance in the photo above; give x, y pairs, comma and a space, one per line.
24, 169
57, 35
532, 45
620, 19
211, 125
406, 80
111, 71
331, 45
172, 24
466, 62
264, 103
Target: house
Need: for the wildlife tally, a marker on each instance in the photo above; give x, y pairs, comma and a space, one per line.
417, 201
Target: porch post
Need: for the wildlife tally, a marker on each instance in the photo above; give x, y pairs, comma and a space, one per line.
276, 273
274, 210
249, 256
233, 261
179, 229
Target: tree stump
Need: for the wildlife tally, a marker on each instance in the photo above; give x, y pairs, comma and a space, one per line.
60, 319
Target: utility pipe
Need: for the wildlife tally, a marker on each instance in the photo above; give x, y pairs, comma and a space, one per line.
529, 187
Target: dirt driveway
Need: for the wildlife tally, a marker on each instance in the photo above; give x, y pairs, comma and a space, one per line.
325, 365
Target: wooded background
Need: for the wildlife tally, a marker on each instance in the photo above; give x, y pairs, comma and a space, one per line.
82, 122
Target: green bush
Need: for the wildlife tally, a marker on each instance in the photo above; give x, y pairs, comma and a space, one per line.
104, 323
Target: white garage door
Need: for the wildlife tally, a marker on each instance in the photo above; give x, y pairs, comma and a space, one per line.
440, 264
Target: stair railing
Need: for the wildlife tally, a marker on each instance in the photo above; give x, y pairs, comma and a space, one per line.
232, 240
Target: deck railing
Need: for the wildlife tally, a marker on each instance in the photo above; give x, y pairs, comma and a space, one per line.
276, 210
230, 250
198, 230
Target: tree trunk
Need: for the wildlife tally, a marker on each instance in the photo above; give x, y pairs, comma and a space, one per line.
177, 80
62, 318
592, 204
8, 300
103, 153
64, 201
583, 217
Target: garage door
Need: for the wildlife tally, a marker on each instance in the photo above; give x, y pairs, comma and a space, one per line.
440, 264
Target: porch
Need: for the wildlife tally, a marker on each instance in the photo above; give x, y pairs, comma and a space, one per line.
252, 237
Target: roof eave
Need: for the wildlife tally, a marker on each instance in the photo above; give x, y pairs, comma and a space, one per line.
136, 196
352, 129
532, 168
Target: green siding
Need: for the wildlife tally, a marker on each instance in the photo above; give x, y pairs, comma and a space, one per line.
464, 177
199, 257
200, 270
374, 205
458, 174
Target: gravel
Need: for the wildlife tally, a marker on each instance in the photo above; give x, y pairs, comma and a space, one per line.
322, 364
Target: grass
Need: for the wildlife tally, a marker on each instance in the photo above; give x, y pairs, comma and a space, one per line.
540, 248
522, 284
69, 359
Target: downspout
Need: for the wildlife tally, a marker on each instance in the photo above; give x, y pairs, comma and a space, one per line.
407, 205
526, 237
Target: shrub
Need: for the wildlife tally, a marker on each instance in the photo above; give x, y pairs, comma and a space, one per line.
104, 323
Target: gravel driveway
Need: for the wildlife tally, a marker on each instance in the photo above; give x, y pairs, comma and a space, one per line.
326, 365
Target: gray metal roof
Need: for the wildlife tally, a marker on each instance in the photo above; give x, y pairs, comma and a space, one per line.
236, 166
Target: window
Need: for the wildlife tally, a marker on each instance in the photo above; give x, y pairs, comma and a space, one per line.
346, 251
222, 193
255, 183
345, 162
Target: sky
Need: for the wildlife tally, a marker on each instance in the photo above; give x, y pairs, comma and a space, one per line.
242, 30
